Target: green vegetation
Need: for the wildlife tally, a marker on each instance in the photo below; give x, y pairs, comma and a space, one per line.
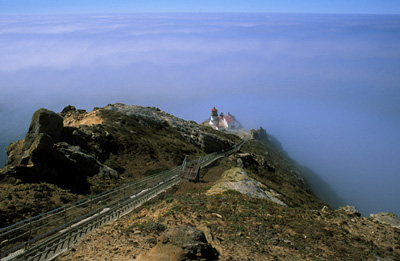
149, 227
145, 146
26, 200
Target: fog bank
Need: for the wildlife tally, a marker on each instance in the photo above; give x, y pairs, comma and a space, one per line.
325, 85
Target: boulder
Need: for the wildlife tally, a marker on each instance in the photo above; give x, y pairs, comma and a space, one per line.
45, 129
44, 121
186, 236
183, 242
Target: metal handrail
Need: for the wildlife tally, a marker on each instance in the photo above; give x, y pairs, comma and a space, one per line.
115, 210
32, 225
110, 201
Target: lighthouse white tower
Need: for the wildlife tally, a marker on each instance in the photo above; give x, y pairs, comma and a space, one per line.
214, 120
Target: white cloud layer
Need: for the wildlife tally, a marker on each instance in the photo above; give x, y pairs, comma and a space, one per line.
325, 85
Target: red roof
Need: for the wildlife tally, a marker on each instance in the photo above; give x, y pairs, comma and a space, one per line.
213, 109
229, 118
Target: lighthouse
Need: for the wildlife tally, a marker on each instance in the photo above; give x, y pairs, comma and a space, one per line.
214, 120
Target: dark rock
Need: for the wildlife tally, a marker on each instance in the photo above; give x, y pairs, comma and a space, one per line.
94, 139
247, 160
44, 121
192, 241
45, 129
40, 150
68, 108
44, 156
259, 134
211, 143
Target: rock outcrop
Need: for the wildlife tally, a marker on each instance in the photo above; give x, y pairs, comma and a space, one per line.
53, 153
261, 134
67, 148
238, 179
45, 129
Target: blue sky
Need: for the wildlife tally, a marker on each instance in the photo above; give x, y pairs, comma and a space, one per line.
280, 6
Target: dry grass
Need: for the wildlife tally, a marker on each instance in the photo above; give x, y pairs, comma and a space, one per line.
261, 229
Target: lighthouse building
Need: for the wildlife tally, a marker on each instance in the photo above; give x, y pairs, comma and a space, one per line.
230, 122
214, 119
223, 121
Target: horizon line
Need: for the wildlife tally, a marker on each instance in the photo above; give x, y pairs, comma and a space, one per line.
194, 12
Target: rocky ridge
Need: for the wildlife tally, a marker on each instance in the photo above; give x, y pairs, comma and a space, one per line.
259, 201
77, 143
207, 139
89, 152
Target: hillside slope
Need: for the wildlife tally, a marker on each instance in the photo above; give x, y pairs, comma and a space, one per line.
74, 153
204, 221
